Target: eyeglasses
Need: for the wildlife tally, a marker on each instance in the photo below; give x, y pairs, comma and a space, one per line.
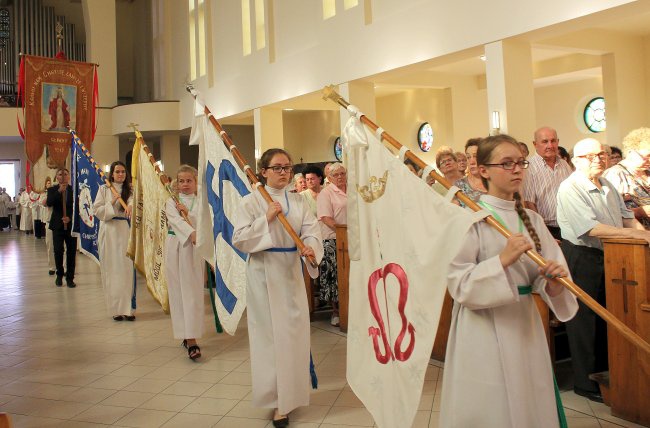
446, 161
338, 174
591, 156
510, 165
277, 168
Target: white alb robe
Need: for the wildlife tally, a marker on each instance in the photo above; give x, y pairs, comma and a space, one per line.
46, 214
278, 313
34, 204
26, 221
113, 240
184, 269
498, 370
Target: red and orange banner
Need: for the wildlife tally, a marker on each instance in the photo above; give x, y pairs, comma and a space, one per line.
56, 94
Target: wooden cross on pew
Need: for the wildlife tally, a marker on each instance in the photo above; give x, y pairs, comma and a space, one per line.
624, 282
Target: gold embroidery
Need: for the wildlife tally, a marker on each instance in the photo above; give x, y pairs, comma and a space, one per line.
375, 189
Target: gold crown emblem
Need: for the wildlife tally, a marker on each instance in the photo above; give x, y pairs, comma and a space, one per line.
375, 188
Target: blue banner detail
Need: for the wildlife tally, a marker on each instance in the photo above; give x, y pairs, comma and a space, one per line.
85, 184
221, 224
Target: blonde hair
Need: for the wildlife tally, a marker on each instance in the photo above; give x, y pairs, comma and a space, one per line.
639, 139
445, 151
187, 168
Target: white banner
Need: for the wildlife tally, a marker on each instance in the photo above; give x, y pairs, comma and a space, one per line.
404, 235
222, 184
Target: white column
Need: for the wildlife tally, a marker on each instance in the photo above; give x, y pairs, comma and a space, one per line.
268, 129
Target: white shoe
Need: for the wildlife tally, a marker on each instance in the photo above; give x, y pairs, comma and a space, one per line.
335, 320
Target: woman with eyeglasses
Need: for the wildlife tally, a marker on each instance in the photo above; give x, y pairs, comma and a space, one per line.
497, 343
447, 163
278, 313
629, 176
113, 240
471, 184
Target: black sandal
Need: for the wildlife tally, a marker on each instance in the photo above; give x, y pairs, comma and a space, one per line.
129, 317
118, 318
194, 352
184, 344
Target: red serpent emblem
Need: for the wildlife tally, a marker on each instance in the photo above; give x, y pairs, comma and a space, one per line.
374, 332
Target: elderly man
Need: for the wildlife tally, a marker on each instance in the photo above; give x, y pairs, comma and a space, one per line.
545, 173
590, 208
331, 206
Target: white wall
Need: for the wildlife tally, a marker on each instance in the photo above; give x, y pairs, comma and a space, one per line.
561, 107
310, 134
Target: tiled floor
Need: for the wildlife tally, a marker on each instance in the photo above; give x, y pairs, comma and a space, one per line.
65, 363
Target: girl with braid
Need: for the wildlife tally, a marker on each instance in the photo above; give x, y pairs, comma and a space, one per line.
497, 354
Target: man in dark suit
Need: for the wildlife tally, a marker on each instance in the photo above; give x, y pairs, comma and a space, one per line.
60, 199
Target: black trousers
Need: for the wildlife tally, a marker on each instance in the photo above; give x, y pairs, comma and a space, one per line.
59, 237
39, 232
555, 231
17, 221
587, 332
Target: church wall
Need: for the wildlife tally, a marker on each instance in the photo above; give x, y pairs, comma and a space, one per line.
310, 135
311, 52
12, 151
561, 107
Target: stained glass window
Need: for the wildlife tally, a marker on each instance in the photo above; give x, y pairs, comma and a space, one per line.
425, 137
338, 149
594, 115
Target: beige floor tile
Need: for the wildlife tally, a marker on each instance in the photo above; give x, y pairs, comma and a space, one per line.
232, 422
340, 426
233, 392
149, 385
172, 403
89, 395
211, 406
168, 373
220, 365
603, 412
244, 409
192, 420
323, 397
143, 418
330, 383
433, 421
22, 421
60, 409
79, 424
349, 415
133, 371
128, 399
583, 422
575, 402
348, 399
111, 382
193, 389
237, 378
200, 375
19, 387
103, 414
311, 413
421, 419
426, 402
53, 392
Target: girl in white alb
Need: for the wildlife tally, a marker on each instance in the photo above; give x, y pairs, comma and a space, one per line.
498, 370
183, 266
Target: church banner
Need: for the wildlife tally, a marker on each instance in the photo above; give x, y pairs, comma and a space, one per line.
85, 185
405, 236
56, 94
148, 224
222, 184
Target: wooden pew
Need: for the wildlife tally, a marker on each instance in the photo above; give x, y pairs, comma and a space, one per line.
627, 282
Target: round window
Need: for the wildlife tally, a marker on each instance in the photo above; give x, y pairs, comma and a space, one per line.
594, 115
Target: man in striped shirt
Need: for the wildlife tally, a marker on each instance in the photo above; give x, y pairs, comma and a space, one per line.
545, 173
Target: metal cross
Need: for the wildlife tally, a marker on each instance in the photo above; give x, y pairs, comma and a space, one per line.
624, 282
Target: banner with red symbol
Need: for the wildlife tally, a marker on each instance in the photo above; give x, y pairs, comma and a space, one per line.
402, 237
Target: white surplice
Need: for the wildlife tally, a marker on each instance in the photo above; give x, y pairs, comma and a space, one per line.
498, 370
35, 205
278, 313
184, 269
26, 222
113, 240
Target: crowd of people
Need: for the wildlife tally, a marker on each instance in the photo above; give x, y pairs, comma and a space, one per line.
560, 207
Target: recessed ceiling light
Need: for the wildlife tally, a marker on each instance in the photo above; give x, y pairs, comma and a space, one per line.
483, 57
287, 109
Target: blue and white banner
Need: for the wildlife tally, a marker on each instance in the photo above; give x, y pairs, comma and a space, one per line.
222, 184
85, 184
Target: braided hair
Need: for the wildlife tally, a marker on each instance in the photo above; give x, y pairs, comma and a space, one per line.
483, 156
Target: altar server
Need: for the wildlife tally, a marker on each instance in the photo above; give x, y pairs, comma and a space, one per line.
183, 265
116, 266
497, 356
26, 222
35, 206
278, 314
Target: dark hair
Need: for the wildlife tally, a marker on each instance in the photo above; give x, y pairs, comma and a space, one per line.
483, 157
616, 150
563, 153
523, 145
408, 162
126, 186
314, 169
265, 160
473, 142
